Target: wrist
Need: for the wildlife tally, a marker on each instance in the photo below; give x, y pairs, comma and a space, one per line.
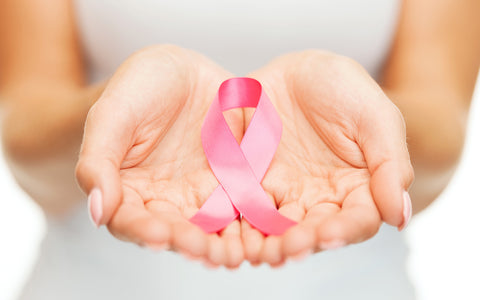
436, 127
45, 122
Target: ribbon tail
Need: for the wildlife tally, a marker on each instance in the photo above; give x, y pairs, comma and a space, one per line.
216, 213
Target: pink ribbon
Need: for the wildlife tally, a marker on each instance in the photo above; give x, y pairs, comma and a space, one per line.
240, 168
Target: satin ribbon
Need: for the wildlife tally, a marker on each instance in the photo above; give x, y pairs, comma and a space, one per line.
240, 168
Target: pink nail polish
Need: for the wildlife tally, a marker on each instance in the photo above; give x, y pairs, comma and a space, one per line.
332, 245
95, 206
407, 210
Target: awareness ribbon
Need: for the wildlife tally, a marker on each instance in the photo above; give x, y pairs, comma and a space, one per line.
240, 168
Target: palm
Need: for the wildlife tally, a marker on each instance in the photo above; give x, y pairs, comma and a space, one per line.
164, 175
174, 179
319, 175
172, 172
309, 172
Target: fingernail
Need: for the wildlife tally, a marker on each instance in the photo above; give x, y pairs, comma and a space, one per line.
332, 245
157, 247
407, 210
95, 206
301, 255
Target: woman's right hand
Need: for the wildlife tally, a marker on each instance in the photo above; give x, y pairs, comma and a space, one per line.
142, 163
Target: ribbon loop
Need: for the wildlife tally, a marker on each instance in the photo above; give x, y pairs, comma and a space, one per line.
240, 168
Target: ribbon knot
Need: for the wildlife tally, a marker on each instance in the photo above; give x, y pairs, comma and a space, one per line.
240, 168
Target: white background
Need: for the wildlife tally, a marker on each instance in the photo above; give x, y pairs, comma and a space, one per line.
444, 240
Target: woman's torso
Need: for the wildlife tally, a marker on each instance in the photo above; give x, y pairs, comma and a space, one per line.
78, 262
239, 35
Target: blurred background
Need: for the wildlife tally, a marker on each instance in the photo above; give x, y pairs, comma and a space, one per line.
444, 261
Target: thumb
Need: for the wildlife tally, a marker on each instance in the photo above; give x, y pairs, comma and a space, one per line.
382, 138
107, 136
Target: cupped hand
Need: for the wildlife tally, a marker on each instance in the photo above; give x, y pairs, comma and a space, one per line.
142, 163
342, 166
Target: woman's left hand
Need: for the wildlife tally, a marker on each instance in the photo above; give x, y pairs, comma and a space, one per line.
142, 161
342, 166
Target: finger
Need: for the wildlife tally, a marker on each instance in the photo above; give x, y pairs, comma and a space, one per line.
233, 245
133, 223
186, 237
301, 240
216, 251
357, 221
382, 138
272, 250
252, 240
107, 137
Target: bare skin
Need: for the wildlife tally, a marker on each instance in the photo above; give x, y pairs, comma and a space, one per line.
150, 168
336, 171
153, 175
432, 68
44, 99
430, 75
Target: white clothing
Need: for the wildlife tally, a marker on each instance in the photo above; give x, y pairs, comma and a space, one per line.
79, 262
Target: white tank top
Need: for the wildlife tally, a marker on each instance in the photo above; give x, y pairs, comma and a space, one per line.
80, 262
